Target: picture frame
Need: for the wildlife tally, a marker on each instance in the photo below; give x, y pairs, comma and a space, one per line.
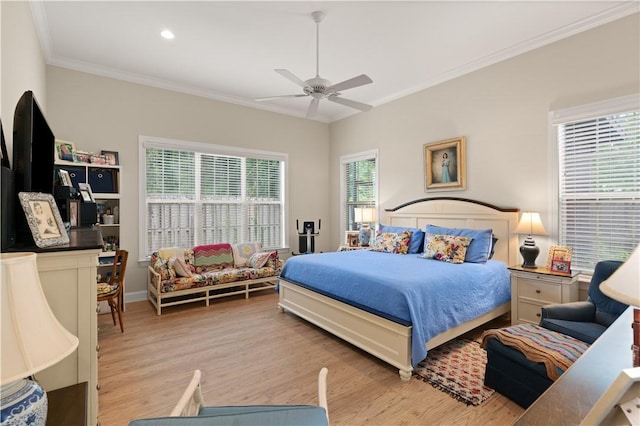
111, 157
561, 266
445, 165
44, 219
98, 159
559, 253
65, 150
82, 157
352, 239
74, 213
85, 193
65, 178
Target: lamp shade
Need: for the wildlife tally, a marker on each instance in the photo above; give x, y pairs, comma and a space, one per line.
364, 214
530, 224
32, 337
624, 284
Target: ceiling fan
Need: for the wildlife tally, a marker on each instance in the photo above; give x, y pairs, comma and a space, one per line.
319, 88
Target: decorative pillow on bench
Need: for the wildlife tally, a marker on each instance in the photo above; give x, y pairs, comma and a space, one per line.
242, 253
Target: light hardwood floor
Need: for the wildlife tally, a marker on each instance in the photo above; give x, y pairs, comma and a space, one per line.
250, 353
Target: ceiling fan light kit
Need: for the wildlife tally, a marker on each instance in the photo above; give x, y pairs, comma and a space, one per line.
319, 88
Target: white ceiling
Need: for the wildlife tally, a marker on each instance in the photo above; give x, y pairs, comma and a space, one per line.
228, 50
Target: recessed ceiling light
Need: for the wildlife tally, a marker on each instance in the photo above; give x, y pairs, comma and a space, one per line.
167, 34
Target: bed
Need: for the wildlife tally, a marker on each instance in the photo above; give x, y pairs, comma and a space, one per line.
401, 336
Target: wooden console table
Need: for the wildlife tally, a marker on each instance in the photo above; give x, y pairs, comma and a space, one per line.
571, 397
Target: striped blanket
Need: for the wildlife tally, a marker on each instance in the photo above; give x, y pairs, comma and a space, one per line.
556, 351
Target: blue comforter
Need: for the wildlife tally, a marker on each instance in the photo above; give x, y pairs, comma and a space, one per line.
430, 295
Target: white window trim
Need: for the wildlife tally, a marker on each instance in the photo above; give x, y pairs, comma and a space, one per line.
349, 158
561, 116
145, 142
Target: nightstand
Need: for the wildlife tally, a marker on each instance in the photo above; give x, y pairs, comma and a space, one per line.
534, 288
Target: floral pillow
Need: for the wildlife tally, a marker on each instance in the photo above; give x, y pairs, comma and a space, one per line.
181, 267
259, 259
391, 242
446, 248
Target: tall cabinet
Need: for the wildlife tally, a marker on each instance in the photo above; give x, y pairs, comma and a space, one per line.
67, 275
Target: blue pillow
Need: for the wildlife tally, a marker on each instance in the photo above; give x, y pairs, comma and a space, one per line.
494, 240
417, 238
480, 247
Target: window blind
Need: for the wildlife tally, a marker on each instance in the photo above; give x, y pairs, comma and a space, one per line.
599, 187
195, 198
360, 188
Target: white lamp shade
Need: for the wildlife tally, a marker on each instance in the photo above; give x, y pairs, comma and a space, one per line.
624, 284
364, 214
530, 224
32, 337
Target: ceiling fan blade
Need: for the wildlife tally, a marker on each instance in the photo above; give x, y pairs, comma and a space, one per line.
270, 98
350, 103
360, 80
289, 76
313, 108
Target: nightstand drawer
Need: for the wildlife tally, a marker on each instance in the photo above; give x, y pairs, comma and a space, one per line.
538, 290
529, 312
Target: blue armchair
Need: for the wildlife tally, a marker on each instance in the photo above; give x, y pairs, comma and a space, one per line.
586, 320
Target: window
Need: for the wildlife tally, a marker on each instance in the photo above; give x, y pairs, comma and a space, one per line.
359, 186
599, 181
203, 194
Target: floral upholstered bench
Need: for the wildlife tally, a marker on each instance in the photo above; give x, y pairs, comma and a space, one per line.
177, 275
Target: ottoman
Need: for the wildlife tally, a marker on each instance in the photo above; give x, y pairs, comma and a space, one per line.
520, 359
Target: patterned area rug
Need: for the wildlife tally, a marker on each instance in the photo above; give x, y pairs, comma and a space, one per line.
457, 368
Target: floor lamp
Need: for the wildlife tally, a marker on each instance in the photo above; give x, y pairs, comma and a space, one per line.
32, 339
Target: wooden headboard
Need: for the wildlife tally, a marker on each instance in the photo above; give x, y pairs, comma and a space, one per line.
462, 213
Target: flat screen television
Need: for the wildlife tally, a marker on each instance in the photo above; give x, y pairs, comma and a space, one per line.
33, 147
33, 158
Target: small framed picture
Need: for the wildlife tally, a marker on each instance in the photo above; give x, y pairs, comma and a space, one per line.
44, 219
74, 212
111, 157
351, 238
563, 266
98, 159
65, 150
82, 157
65, 178
85, 193
558, 253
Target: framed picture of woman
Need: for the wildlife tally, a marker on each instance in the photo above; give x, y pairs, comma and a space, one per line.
44, 219
444, 165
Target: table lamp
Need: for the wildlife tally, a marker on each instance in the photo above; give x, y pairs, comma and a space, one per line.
32, 340
624, 286
364, 215
530, 224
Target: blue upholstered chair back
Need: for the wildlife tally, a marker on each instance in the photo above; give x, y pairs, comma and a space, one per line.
607, 309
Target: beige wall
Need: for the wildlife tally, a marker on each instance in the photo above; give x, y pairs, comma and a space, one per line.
22, 67
102, 113
502, 110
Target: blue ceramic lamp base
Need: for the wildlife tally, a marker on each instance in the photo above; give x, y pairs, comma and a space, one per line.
23, 402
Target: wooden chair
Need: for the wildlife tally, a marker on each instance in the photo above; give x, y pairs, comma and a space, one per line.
111, 291
192, 405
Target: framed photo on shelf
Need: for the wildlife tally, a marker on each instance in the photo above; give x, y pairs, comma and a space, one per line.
444, 165
65, 178
74, 212
86, 193
111, 157
44, 219
560, 266
65, 150
352, 238
82, 157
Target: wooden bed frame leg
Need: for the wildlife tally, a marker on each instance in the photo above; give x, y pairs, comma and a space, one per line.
405, 375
